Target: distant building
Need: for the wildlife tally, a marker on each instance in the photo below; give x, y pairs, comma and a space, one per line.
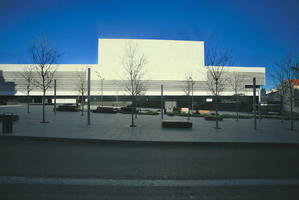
273, 96
295, 98
169, 62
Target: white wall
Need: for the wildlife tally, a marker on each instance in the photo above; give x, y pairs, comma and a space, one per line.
166, 59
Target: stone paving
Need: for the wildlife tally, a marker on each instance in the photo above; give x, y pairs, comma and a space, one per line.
116, 127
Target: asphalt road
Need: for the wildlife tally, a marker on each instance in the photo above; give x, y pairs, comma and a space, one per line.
83, 160
49, 192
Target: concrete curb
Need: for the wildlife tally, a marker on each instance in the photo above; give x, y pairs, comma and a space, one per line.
145, 142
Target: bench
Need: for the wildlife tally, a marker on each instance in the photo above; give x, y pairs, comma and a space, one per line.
176, 124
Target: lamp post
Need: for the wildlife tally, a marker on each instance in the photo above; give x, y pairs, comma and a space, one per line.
192, 84
55, 96
162, 102
102, 83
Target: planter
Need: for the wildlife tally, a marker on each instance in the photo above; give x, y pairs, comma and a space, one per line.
68, 108
170, 114
213, 118
14, 117
105, 110
127, 110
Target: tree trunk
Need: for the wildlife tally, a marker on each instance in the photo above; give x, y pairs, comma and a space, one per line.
43, 101
135, 110
28, 101
82, 104
132, 112
216, 105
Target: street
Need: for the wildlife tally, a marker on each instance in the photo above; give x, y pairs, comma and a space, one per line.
146, 161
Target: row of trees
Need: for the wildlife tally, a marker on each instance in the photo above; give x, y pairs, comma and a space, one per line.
134, 63
218, 79
45, 57
284, 76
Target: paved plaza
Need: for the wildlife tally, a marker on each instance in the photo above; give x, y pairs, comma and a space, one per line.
116, 127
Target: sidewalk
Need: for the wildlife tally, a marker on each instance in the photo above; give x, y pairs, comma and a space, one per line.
116, 127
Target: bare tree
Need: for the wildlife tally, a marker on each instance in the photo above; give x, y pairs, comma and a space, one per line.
285, 77
134, 63
188, 89
27, 82
101, 79
216, 79
45, 58
235, 82
279, 77
81, 88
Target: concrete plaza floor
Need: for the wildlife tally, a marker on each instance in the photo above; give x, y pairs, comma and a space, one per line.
116, 127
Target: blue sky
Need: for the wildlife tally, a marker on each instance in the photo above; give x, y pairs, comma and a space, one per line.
257, 32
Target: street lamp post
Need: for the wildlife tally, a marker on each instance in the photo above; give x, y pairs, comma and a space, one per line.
55, 96
192, 84
102, 83
162, 102
216, 104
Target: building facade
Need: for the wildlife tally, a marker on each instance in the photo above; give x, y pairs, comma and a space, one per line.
168, 62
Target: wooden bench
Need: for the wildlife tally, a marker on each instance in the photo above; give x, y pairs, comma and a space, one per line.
176, 124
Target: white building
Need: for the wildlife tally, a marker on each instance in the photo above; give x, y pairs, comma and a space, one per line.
169, 62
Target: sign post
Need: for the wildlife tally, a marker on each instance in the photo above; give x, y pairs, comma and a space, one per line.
55, 96
162, 102
254, 101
